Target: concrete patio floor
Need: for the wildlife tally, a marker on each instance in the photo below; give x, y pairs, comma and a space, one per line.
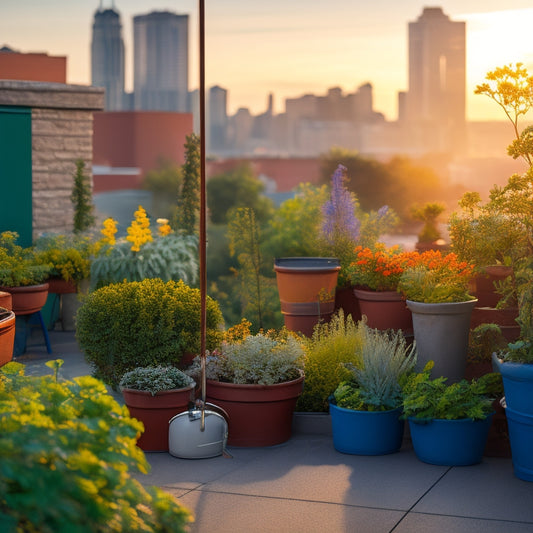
304, 485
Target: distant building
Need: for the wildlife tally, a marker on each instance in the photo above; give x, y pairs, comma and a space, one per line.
161, 61
436, 99
107, 57
32, 66
128, 144
217, 118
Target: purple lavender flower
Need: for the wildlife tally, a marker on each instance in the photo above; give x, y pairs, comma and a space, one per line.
340, 221
383, 210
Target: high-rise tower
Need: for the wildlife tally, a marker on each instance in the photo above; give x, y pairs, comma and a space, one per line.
437, 76
161, 61
107, 56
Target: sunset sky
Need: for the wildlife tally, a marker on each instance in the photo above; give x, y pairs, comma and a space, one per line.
288, 47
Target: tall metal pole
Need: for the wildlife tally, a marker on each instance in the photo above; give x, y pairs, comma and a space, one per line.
203, 273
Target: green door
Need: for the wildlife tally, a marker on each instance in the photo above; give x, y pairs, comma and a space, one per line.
15, 172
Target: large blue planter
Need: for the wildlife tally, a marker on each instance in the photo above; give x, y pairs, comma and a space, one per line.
517, 383
520, 427
450, 442
366, 432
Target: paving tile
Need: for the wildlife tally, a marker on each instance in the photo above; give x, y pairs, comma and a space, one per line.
235, 513
309, 468
423, 523
488, 490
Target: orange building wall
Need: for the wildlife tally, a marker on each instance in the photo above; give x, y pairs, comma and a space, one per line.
138, 139
33, 67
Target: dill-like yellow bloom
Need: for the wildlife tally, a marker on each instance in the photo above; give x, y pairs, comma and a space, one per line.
109, 230
164, 227
139, 230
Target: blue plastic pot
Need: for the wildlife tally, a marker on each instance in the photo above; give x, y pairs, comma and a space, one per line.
450, 442
517, 383
366, 432
520, 426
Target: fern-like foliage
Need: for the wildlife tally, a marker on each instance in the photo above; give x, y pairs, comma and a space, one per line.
435, 399
377, 383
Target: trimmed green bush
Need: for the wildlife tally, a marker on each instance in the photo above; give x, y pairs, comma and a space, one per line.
143, 323
66, 452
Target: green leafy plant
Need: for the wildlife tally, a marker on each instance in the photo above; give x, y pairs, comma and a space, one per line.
376, 384
18, 266
511, 87
69, 257
143, 323
82, 199
425, 398
264, 359
483, 341
155, 379
333, 343
169, 257
437, 278
66, 456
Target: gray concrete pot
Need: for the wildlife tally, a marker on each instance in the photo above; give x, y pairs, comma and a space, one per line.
441, 334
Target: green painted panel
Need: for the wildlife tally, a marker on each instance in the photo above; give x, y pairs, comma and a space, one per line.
16, 172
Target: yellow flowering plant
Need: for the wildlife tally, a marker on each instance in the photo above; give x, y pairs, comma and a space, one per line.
167, 255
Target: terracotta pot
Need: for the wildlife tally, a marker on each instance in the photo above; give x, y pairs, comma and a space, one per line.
7, 336
385, 310
60, 286
259, 415
306, 287
346, 300
482, 285
29, 299
505, 318
6, 300
155, 413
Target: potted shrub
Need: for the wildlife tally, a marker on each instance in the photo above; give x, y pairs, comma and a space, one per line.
374, 274
7, 335
436, 292
154, 395
365, 411
66, 441
22, 276
449, 424
257, 380
143, 323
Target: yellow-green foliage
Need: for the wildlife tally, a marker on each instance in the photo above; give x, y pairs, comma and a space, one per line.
143, 323
68, 457
339, 341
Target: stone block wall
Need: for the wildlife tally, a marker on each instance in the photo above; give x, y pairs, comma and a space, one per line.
62, 130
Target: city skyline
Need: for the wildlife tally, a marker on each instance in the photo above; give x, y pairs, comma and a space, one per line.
253, 50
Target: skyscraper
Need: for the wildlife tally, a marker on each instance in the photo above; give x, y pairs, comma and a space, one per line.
161, 61
437, 76
107, 56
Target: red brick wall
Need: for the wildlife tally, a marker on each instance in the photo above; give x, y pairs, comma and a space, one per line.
33, 67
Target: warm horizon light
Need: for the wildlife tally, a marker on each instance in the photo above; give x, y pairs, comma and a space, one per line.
288, 48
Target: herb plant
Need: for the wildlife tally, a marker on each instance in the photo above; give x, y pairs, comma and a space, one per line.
333, 343
264, 359
376, 385
66, 456
18, 266
155, 379
425, 398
